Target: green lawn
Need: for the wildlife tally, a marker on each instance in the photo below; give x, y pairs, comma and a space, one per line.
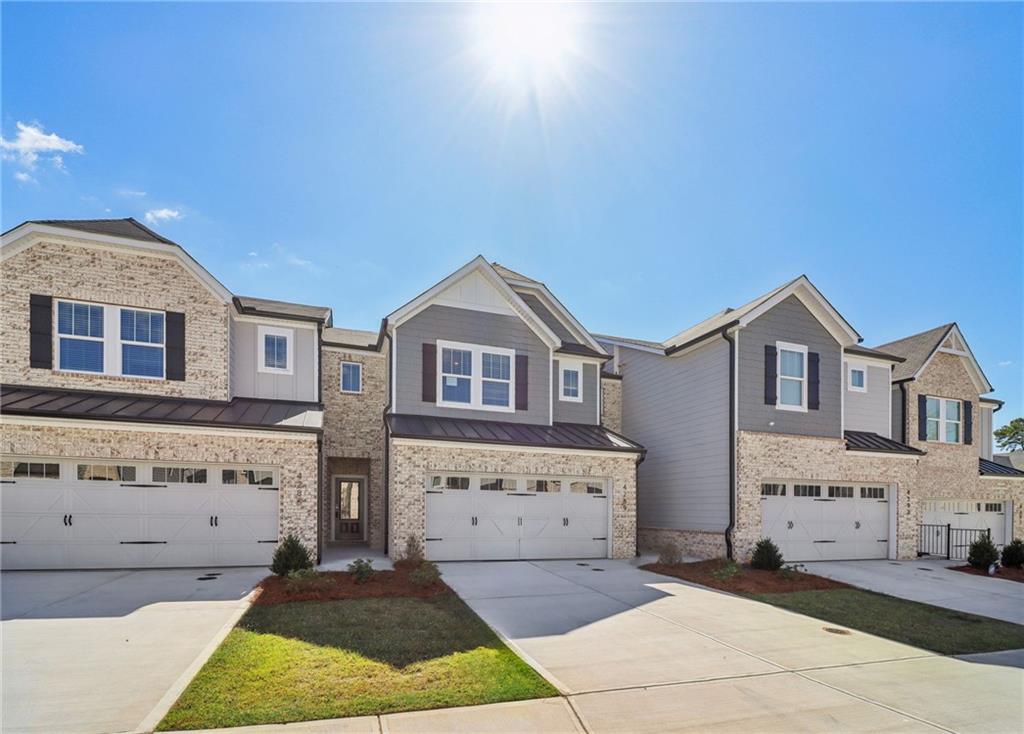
319, 660
922, 625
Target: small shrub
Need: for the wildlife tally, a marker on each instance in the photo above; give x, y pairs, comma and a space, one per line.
1013, 554
766, 556
362, 570
303, 574
982, 553
727, 570
424, 575
413, 554
307, 579
291, 555
669, 555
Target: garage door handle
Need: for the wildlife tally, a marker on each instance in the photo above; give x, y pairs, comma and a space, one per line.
216, 521
65, 521
789, 525
143, 485
856, 525
211, 521
71, 520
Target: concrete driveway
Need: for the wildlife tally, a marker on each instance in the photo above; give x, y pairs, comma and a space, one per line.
639, 652
96, 651
932, 582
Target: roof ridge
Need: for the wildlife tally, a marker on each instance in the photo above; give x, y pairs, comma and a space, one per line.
944, 327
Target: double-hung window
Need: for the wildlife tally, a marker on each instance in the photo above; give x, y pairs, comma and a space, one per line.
944, 419
351, 377
792, 376
475, 376
570, 379
275, 350
142, 343
80, 336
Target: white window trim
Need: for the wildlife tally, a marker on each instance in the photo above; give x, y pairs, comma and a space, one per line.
261, 349
779, 405
111, 340
341, 377
476, 379
942, 420
850, 367
570, 365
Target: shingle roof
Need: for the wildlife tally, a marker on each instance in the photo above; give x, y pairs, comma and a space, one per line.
629, 340
510, 274
915, 350
282, 309
545, 315
580, 349
136, 408
127, 228
867, 441
868, 352
351, 338
988, 468
557, 435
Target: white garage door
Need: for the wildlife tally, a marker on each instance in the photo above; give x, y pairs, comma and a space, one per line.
471, 517
816, 522
96, 514
969, 515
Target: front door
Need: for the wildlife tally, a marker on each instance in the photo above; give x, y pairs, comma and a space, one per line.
348, 510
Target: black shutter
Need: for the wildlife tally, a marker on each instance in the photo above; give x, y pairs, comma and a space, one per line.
968, 422
770, 397
922, 417
523, 382
40, 329
813, 390
429, 373
175, 345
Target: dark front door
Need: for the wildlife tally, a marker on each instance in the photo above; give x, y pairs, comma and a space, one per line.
348, 510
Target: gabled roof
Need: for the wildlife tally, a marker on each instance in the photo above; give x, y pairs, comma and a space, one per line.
128, 228
918, 350
988, 468
282, 309
354, 338
801, 287
127, 234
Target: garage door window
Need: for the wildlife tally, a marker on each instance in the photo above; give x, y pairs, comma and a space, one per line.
106, 473
439, 482
840, 492
806, 490
179, 474
543, 485
29, 470
773, 490
872, 493
499, 484
261, 477
993, 507
588, 487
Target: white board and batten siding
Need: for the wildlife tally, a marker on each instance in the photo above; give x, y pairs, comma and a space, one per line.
135, 519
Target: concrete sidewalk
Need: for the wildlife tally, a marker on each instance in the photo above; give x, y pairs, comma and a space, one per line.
931, 581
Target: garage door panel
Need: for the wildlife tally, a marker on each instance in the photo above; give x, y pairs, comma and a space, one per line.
101, 497
26, 497
176, 555
180, 529
111, 529
247, 502
23, 527
33, 555
450, 549
179, 501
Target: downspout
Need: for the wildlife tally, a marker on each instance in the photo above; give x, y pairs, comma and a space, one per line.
732, 440
387, 444
903, 413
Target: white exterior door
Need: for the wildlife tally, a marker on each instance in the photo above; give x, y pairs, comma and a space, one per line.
515, 517
816, 522
87, 514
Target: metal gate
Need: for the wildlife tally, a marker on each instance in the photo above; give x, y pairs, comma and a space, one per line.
947, 541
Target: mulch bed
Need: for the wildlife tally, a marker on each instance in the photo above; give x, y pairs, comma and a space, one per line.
335, 585
748, 581
1005, 572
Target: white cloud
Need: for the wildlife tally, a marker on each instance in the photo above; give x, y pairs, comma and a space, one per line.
1005, 363
23, 177
155, 216
298, 262
131, 193
31, 140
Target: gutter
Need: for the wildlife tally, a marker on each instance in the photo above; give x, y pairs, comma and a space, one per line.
387, 439
724, 332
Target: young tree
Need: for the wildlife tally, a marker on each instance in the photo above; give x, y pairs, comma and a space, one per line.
1011, 436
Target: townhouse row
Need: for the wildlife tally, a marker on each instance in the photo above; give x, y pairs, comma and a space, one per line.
152, 418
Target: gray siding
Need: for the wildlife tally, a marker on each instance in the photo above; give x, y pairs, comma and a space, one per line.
897, 414
789, 321
983, 433
678, 408
869, 411
248, 381
567, 411
472, 327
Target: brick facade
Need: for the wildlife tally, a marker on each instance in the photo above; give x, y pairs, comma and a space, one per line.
121, 278
410, 463
696, 543
295, 454
354, 433
611, 404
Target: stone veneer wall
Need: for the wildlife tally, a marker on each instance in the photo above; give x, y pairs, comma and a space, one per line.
295, 454
611, 404
118, 278
354, 433
410, 464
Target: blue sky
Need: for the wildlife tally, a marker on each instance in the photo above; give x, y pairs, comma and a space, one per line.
691, 157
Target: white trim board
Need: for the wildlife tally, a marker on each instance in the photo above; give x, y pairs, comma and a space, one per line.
102, 425
510, 448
